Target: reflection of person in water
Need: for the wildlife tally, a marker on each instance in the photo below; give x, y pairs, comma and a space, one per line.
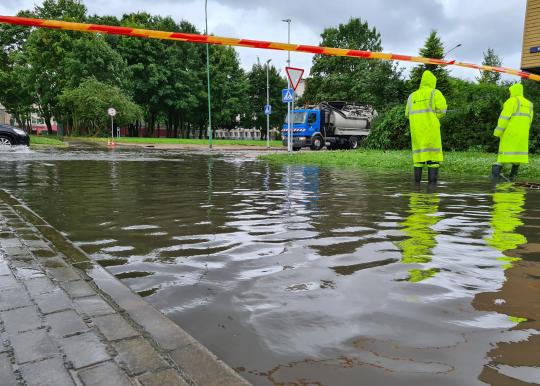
421, 237
508, 204
518, 296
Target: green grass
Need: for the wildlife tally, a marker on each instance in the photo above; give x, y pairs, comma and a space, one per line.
179, 141
37, 141
455, 163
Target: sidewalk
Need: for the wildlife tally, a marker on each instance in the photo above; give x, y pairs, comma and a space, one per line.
64, 320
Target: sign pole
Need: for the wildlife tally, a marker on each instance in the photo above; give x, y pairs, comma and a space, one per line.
111, 111
268, 103
208, 79
289, 131
294, 75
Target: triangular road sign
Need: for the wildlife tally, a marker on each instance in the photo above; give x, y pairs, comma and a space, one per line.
295, 75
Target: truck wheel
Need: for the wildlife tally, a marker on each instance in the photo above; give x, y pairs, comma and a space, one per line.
353, 143
296, 148
5, 142
317, 143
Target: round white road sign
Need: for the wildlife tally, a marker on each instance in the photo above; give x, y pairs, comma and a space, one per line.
111, 111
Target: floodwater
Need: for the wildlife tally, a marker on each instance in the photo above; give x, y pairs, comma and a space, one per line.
300, 275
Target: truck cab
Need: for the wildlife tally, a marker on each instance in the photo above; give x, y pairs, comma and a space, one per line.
306, 128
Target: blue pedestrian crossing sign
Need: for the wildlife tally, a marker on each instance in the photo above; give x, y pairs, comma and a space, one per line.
287, 95
267, 109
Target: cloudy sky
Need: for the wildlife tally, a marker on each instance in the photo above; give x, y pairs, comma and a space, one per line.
404, 25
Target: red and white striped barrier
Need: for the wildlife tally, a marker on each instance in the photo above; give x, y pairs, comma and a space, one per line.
266, 45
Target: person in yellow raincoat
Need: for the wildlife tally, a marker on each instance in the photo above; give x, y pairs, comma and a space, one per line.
424, 109
513, 130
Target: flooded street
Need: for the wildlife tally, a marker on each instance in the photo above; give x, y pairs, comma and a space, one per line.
300, 275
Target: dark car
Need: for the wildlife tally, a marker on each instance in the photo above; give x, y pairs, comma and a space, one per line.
12, 136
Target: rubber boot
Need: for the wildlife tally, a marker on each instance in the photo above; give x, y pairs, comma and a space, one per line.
514, 172
433, 175
417, 175
496, 172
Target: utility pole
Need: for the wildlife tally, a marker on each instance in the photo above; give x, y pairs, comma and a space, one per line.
208, 78
290, 106
268, 103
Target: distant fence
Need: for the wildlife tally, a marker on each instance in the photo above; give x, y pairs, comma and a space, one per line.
233, 134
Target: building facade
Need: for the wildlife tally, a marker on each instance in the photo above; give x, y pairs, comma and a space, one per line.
530, 58
5, 118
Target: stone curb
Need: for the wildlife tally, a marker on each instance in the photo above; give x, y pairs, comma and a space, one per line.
196, 363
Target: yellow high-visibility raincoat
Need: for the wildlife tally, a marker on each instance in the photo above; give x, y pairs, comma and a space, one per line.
424, 109
513, 128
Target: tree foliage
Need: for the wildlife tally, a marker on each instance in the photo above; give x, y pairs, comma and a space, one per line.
493, 60
166, 79
16, 93
351, 79
228, 87
88, 104
255, 116
433, 48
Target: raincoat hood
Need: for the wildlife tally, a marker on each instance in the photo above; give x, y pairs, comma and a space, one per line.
516, 90
428, 80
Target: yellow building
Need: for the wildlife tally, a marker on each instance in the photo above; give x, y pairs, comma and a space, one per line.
530, 58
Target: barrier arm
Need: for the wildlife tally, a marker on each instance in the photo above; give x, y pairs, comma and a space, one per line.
266, 45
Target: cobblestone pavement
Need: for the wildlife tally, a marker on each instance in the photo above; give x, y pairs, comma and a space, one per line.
66, 321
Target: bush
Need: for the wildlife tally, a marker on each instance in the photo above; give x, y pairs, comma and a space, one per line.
390, 130
88, 103
473, 112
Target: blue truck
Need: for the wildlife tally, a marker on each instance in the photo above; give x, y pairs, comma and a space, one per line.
336, 125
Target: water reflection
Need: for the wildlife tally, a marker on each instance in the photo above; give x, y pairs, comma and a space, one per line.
508, 205
418, 226
514, 360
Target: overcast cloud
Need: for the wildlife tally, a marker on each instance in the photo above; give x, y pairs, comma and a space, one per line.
404, 25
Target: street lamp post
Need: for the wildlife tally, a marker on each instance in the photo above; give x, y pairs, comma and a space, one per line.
208, 78
268, 103
289, 107
447, 52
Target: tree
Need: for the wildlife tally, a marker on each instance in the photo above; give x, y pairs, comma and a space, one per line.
167, 78
44, 52
184, 91
39, 64
87, 105
228, 86
351, 79
91, 55
493, 60
433, 48
16, 93
144, 58
256, 98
